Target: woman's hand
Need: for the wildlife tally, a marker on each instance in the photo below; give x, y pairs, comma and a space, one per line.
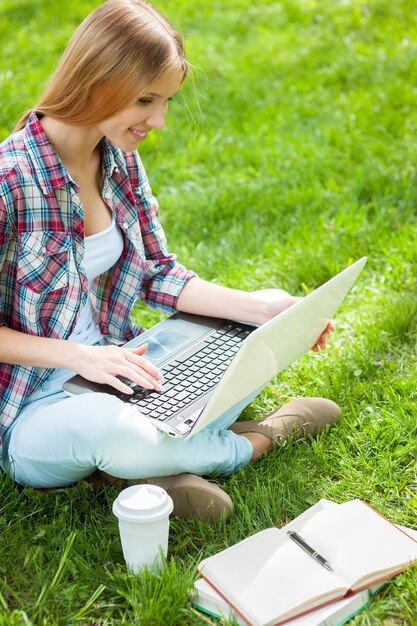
322, 340
271, 302
104, 364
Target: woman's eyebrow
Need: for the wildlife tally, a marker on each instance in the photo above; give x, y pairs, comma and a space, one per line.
158, 95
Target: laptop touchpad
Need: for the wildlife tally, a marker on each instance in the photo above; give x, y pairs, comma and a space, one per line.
163, 343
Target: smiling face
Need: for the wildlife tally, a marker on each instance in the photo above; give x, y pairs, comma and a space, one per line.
132, 125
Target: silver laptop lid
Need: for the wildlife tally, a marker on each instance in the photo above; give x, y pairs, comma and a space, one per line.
276, 344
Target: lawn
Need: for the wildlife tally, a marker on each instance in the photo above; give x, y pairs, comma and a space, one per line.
291, 153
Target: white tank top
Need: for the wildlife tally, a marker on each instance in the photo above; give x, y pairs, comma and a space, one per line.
102, 250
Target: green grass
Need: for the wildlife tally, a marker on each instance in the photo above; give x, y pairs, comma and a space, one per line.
293, 153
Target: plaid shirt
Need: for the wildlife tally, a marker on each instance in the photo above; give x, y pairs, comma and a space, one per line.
43, 285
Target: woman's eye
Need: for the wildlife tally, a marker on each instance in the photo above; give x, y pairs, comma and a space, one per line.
144, 101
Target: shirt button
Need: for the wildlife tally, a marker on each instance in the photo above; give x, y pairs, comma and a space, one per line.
43, 250
125, 225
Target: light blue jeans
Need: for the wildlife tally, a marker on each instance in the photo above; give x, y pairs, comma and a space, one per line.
58, 440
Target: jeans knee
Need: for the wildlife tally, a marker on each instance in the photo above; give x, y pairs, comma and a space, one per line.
121, 433
99, 415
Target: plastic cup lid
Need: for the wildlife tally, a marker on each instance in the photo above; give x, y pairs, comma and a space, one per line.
142, 503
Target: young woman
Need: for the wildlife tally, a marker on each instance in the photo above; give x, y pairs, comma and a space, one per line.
80, 241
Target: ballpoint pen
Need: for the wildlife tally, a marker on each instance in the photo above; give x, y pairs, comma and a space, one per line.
311, 551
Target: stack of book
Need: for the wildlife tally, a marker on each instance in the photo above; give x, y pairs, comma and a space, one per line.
340, 556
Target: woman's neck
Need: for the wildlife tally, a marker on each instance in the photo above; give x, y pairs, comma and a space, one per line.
76, 146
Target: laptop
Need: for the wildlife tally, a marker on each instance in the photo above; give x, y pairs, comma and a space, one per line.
210, 364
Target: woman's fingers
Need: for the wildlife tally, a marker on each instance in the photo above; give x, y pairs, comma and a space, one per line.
120, 374
324, 337
134, 356
138, 373
140, 350
112, 364
139, 377
116, 383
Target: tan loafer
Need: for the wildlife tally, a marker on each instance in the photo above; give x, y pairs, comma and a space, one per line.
301, 417
193, 496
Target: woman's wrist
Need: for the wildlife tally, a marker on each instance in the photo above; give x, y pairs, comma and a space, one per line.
259, 314
58, 353
73, 353
270, 302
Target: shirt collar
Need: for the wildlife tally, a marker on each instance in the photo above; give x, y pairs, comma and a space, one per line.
52, 173
112, 158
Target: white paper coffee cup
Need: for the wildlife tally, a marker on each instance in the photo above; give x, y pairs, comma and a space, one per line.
143, 513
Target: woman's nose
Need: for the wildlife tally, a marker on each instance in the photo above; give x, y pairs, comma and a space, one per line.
156, 118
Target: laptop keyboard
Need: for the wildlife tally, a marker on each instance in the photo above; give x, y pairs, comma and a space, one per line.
186, 379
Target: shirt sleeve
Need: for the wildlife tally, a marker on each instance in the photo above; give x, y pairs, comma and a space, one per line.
164, 277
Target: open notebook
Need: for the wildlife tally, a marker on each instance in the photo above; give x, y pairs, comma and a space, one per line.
269, 579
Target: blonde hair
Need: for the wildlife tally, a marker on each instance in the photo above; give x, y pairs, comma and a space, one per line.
116, 52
